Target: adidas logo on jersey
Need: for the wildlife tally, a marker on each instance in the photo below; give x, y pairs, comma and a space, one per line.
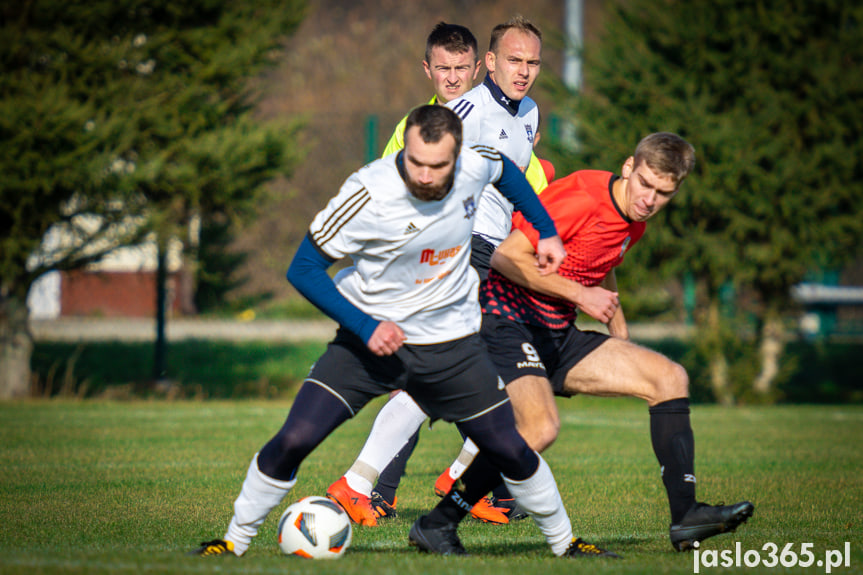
503, 135
411, 229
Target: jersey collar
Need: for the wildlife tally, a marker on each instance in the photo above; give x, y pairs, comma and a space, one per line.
611, 181
511, 106
400, 164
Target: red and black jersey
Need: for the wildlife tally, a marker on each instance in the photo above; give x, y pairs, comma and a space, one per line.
595, 233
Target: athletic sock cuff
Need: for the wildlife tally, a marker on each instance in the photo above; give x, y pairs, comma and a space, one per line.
272, 481
679, 405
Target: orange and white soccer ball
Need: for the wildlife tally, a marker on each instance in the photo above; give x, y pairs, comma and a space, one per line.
315, 528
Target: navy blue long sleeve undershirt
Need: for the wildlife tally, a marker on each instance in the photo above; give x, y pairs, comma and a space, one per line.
514, 187
308, 273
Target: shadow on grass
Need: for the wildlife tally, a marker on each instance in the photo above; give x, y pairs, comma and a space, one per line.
487, 540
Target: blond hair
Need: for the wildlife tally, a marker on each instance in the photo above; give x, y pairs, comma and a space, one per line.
517, 22
666, 153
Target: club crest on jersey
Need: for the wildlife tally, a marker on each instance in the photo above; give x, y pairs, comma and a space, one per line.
624, 246
469, 208
529, 129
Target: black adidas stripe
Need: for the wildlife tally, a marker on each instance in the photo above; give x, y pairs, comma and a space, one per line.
341, 216
463, 109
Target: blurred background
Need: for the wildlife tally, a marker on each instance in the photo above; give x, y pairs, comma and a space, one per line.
161, 162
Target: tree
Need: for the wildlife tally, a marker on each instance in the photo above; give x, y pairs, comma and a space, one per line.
122, 119
217, 274
768, 92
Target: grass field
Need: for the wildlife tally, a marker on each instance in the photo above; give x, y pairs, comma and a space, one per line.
128, 487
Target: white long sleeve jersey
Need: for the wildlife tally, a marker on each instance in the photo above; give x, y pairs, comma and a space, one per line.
411, 258
489, 118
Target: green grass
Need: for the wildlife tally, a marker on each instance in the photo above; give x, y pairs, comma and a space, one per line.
128, 487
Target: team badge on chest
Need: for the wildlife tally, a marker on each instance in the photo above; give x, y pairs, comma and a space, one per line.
469, 208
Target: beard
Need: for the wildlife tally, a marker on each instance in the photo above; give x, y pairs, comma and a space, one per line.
428, 193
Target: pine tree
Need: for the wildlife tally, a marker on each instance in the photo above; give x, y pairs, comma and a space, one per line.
768, 92
123, 118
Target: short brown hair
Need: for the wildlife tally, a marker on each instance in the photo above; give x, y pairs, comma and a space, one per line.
666, 153
434, 123
517, 22
452, 38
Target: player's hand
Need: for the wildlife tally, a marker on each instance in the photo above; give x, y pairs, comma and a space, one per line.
386, 339
549, 255
598, 303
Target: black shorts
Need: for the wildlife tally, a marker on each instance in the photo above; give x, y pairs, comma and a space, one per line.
519, 349
453, 381
481, 251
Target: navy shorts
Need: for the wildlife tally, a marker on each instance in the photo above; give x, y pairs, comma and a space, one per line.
454, 381
481, 251
519, 349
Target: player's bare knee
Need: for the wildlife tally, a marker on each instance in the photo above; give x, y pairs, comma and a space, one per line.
540, 435
680, 380
549, 435
673, 383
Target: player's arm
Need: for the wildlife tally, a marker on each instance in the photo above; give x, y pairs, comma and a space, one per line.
512, 184
515, 258
308, 274
617, 325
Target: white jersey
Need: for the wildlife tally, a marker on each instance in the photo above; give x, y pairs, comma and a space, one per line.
490, 118
411, 258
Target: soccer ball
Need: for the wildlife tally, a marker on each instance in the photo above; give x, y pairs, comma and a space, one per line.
315, 528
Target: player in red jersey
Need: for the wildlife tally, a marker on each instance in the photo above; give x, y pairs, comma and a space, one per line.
528, 323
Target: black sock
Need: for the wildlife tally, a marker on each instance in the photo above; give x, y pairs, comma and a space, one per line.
502, 492
674, 446
477, 480
502, 452
391, 476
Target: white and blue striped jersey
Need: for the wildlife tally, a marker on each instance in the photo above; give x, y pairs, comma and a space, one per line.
490, 118
411, 258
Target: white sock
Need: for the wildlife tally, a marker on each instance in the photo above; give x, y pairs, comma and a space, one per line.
396, 422
538, 495
464, 459
260, 495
